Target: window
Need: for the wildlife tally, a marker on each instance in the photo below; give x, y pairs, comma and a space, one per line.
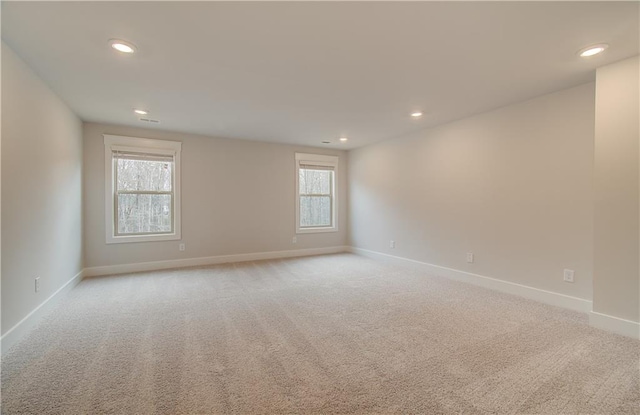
142, 183
316, 193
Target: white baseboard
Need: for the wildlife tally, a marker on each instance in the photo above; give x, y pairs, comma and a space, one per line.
616, 325
211, 260
543, 296
602, 321
17, 332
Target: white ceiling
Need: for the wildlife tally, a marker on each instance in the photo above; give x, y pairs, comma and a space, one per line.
312, 71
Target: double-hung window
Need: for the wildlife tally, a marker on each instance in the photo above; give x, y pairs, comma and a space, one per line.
316, 193
142, 182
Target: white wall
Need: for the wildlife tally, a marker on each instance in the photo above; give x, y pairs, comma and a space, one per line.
616, 258
238, 197
41, 191
513, 186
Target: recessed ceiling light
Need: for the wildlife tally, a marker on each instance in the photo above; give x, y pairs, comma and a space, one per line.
141, 112
343, 139
416, 114
326, 142
122, 46
592, 50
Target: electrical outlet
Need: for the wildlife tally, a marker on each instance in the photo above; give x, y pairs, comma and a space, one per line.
294, 240
182, 247
568, 275
470, 257
37, 287
392, 244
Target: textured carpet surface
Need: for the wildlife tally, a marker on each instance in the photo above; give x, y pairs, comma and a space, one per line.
327, 334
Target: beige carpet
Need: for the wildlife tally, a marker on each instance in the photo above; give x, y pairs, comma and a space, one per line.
329, 334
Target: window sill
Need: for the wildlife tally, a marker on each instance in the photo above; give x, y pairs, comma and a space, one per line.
142, 238
316, 230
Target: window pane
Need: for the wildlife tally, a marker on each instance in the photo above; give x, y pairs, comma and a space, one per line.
144, 175
315, 211
315, 181
144, 214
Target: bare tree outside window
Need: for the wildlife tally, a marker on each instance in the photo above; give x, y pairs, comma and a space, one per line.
316, 193
142, 189
144, 193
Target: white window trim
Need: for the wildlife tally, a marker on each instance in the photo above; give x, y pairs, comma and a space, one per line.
319, 160
112, 142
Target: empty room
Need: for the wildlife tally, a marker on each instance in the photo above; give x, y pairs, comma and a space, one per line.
320, 207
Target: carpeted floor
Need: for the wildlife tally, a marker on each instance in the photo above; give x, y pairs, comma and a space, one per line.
327, 334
